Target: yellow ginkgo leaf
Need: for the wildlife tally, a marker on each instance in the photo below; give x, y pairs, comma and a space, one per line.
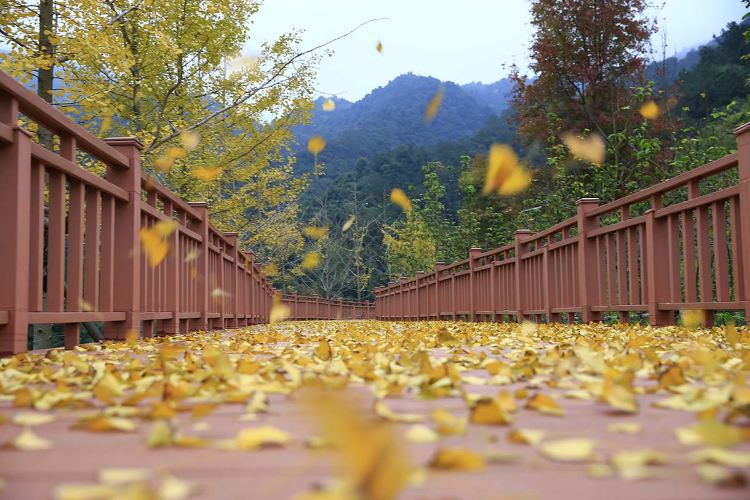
108, 388
545, 404
316, 233
526, 436
316, 144
650, 110
124, 476
379, 47
260, 437
569, 450
419, 433
154, 241
30, 419
384, 411
176, 152
625, 427
311, 260
323, 350
75, 491
207, 173
28, 441
160, 435
590, 148
164, 163
106, 123
693, 318
271, 270
434, 105
279, 312
457, 459
189, 139
192, 255
328, 105
447, 423
504, 174
721, 456
487, 411
348, 224
399, 198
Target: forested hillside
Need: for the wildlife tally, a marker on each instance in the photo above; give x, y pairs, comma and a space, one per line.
381, 142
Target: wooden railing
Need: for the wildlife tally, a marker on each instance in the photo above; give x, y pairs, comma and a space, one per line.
674, 246
306, 307
70, 250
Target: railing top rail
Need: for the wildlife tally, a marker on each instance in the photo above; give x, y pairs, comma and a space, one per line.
53, 119
560, 226
714, 167
148, 183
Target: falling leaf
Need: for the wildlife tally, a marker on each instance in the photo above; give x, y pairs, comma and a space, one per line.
106, 123
189, 139
164, 163
419, 433
379, 47
154, 241
28, 441
328, 105
201, 410
348, 224
271, 270
207, 173
279, 311
315, 145
316, 233
311, 260
590, 148
30, 419
545, 404
504, 174
132, 336
693, 318
243, 63
176, 152
434, 105
620, 397
650, 110
569, 450
457, 459
711, 433
399, 198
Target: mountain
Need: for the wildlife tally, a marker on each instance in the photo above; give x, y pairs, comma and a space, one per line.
493, 95
392, 116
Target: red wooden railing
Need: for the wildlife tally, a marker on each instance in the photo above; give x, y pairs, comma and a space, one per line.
71, 253
306, 307
688, 249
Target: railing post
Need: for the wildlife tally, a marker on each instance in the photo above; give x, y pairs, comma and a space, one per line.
403, 311
201, 264
173, 264
473, 292
587, 259
127, 248
15, 217
520, 248
742, 289
231, 284
439, 266
551, 316
421, 275
657, 266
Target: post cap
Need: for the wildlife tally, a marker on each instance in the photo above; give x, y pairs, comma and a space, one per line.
198, 204
124, 141
584, 201
745, 127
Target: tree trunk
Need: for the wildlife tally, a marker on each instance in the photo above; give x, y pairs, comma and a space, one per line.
46, 72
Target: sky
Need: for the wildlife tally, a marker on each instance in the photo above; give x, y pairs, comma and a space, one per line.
464, 41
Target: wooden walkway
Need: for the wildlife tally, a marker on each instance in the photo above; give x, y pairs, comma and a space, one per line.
152, 390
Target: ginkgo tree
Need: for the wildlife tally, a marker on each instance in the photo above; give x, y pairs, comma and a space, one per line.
154, 69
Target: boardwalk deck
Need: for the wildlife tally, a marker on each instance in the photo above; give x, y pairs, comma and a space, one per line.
77, 456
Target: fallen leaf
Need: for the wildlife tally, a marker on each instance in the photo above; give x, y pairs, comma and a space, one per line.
487, 411
625, 427
721, 476
114, 476
261, 437
544, 404
28, 441
721, 456
29, 419
447, 423
419, 433
382, 410
457, 459
526, 436
569, 450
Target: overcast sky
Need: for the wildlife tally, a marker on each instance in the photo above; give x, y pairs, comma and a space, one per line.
469, 40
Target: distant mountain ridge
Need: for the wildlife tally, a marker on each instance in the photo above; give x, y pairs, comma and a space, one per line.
393, 115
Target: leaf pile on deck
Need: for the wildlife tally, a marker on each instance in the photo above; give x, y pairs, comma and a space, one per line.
120, 387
